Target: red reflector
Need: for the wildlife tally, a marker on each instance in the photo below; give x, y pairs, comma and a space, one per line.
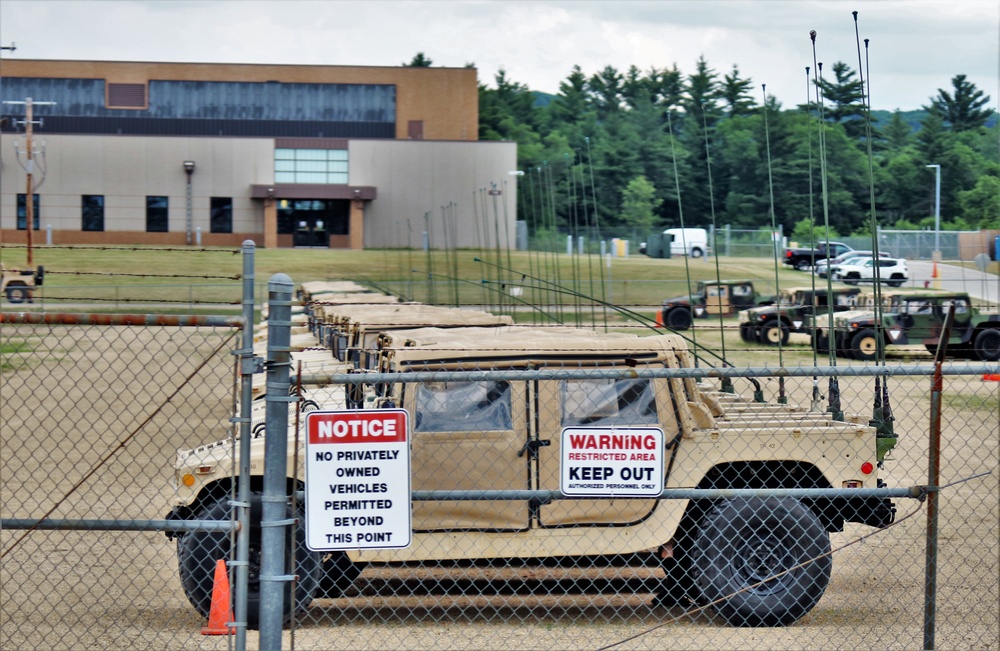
867, 468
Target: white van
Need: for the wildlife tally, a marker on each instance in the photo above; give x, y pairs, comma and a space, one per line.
687, 241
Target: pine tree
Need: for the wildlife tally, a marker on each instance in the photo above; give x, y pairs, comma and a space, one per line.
963, 110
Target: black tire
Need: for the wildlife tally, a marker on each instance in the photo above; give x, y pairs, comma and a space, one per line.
746, 541
773, 332
747, 333
820, 342
852, 279
864, 345
17, 293
696, 252
337, 575
198, 551
802, 264
987, 345
678, 318
896, 281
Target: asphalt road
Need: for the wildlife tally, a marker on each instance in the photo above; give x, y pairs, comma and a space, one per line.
979, 285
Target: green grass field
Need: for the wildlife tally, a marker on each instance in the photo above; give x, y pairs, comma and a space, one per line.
209, 278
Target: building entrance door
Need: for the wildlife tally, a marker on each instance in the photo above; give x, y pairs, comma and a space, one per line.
310, 231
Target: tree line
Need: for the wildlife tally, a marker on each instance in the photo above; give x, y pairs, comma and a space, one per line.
632, 152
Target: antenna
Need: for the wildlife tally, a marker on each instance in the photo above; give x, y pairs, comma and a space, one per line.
29, 166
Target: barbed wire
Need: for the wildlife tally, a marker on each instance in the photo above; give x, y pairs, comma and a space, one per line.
73, 247
94, 299
116, 274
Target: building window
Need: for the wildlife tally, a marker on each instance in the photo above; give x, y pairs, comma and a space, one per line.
156, 214
22, 212
326, 166
92, 211
333, 214
221, 215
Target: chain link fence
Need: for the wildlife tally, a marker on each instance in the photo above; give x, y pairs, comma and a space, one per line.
697, 517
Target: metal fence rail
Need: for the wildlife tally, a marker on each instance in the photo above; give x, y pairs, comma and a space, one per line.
93, 414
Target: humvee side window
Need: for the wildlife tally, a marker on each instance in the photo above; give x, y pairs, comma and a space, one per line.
741, 290
462, 407
844, 299
961, 305
918, 306
607, 402
715, 290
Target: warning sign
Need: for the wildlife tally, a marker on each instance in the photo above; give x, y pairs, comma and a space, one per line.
357, 479
612, 462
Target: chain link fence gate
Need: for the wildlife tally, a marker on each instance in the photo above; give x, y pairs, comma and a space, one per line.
462, 585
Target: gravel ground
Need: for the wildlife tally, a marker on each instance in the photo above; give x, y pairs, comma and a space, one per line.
67, 406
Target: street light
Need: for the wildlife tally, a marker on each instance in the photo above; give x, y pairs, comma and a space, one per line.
936, 255
937, 207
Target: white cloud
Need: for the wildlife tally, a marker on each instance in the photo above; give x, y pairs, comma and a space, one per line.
916, 46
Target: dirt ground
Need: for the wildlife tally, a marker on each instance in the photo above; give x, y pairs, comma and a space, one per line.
91, 419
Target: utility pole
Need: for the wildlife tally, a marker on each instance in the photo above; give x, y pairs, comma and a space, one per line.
29, 168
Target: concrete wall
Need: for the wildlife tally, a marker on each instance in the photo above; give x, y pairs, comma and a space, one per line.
411, 177
418, 177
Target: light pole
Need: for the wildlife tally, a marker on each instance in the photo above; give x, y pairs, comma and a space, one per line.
936, 255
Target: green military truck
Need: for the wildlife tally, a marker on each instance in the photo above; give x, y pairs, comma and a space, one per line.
917, 318
710, 298
791, 312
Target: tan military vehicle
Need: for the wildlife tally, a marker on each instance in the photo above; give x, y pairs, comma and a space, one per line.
760, 561
18, 285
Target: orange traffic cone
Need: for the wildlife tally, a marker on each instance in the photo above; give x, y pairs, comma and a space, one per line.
934, 271
221, 612
991, 377
659, 318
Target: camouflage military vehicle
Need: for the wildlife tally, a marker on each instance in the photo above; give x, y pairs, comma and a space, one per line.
917, 317
710, 298
498, 434
772, 324
18, 285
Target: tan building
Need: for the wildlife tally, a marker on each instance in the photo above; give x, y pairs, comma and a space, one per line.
326, 156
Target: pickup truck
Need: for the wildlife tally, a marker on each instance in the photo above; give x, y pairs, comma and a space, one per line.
802, 259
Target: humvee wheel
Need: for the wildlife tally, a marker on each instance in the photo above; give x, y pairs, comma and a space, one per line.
746, 333
338, 573
678, 318
820, 342
748, 554
864, 345
988, 345
17, 293
774, 332
198, 551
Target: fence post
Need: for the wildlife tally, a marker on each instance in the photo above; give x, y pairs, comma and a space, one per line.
275, 497
242, 505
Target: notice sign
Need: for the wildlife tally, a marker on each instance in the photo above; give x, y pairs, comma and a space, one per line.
357, 479
612, 462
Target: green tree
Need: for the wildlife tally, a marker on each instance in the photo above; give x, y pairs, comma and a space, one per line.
735, 92
606, 91
639, 203
897, 133
846, 97
981, 205
418, 61
962, 110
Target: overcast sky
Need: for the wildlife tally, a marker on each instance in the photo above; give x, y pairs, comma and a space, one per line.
916, 46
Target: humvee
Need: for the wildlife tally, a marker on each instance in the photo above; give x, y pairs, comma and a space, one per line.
18, 285
772, 324
499, 434
710, 298
917, 317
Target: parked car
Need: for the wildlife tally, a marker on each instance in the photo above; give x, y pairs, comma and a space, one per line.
822, 267
802, 259
892, 271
